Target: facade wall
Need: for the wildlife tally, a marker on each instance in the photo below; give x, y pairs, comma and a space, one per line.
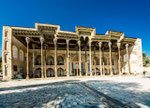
13, 65
48, 54
72, 55
8, 62
136, 57
17, 62
6, 52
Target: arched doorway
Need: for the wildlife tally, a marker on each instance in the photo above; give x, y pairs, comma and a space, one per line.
97, 71
75, 66
60, 72
107, 71
50, 72
60, 60
37, 73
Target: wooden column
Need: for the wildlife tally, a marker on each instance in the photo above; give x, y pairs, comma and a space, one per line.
79, 43
103, 64
100, 58
42, 61
45, 68
86, 64
94, 59
77, 69
67, 58
119, 58
55, 56
27, 41
90, 57
108, 65
110, 58
128, 58
33, 46
70, 62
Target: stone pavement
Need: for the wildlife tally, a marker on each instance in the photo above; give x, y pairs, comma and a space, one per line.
59, 95
65, 93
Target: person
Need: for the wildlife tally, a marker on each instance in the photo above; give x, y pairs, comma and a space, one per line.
144, 73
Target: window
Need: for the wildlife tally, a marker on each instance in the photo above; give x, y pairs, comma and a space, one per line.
21, 55
15, 52
50, 60
15, 68
60, 60
6, 70
6, 45
6, 33
6, 56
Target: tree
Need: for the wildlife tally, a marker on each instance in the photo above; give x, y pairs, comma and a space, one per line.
146, 60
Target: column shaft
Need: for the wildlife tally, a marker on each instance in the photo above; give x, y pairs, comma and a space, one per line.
119, 58
103, 63
94, 58
100, 58
55, 56
110, 58
45, 63
79, 58
27, 77
27, 67
90, 58
86, 64
33, 61
77, 69
42, 66
128, 58
67, 58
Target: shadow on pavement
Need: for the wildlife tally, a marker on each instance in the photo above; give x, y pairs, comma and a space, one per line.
125, 92
32, 95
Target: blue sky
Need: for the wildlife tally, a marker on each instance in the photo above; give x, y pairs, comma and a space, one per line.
129, 16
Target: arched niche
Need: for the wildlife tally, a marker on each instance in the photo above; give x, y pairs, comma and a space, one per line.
60, 60
50, 72
50, 60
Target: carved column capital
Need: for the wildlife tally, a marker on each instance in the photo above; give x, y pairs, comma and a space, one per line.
84, 37
42, 40
27, 40
90, 41
55, 40
109, 44
79, 42
127, 45
100, 44
67, 42
118, 44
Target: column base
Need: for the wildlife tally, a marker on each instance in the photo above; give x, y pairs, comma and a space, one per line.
27, 77
120, 73
42, 77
